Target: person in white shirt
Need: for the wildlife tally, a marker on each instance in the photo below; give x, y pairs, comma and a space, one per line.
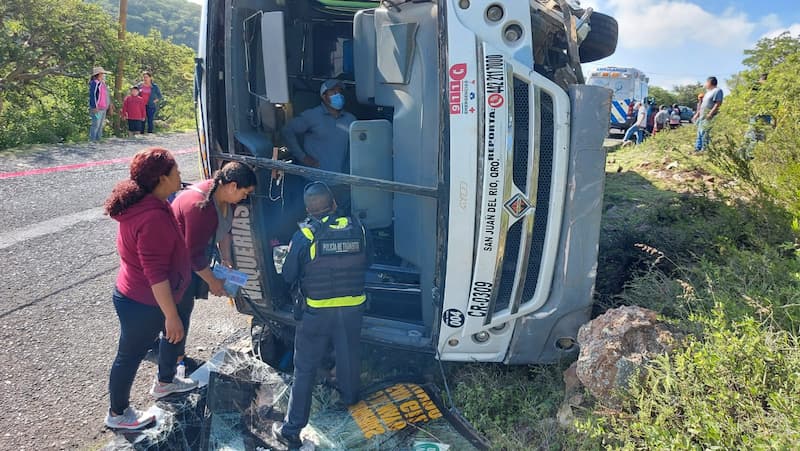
637, 129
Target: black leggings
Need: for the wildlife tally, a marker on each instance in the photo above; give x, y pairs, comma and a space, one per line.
140, 325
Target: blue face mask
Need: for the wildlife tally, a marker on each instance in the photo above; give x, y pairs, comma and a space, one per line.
337, 101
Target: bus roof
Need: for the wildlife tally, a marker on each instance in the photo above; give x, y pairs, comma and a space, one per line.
619, 72
618, 69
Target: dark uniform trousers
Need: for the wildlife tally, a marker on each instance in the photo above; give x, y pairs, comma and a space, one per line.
320, 327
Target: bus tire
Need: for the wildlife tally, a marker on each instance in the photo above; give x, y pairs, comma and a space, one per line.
601, 40
272, 345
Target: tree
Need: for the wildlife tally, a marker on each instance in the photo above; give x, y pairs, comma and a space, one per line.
662, 96
758, 132
770, 52
736, 81
42, 38
47, 50
687, 94
176, 20
172, 65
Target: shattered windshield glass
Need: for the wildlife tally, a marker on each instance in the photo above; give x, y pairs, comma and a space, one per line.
241, 396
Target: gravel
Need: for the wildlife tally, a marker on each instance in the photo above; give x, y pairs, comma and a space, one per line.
58, 329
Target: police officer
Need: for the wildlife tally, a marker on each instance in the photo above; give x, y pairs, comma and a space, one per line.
328, 258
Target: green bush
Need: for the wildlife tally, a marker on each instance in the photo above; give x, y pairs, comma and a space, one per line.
774, 162
41, 117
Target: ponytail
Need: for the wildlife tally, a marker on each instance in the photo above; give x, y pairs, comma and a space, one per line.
232, 172
125, 194
147, 167
215, 183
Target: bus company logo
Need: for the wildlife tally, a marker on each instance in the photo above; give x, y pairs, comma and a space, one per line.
495, 100
244, 251
453, 318
518, 205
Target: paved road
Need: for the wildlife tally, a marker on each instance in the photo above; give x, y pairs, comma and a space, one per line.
58, 329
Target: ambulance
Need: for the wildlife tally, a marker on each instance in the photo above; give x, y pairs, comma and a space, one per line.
628, 85
476, 164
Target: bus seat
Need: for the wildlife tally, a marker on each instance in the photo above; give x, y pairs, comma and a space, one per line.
365, 58
395, 46
371, 156
258, 144
416, 135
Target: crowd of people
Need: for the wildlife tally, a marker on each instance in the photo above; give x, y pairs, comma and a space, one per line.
167, 249
651, 119
139, 108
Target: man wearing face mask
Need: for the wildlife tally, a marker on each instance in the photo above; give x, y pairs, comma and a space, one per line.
325, 131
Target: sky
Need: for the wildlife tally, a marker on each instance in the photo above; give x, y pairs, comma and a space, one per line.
683, 41
678, 42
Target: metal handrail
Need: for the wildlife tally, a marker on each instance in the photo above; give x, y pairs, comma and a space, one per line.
331, 177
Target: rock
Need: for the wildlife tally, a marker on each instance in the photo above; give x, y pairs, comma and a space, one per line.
573, 397
615, 348
572, 384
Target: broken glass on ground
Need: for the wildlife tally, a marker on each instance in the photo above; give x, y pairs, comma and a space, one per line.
241, 397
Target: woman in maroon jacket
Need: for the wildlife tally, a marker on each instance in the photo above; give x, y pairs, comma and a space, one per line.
153, 275
205, 215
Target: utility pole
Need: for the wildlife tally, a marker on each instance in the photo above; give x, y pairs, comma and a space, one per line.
118, 90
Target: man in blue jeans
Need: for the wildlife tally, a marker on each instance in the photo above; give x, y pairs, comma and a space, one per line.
637, 129
709, 108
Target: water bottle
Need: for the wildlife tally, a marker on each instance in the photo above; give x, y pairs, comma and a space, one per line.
181, 370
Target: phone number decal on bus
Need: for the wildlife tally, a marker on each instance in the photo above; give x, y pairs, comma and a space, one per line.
495, 80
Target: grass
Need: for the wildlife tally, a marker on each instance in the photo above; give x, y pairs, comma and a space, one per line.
714, 256
486, 394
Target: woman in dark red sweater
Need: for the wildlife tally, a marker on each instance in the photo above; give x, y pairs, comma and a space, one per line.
153, 275
205, 216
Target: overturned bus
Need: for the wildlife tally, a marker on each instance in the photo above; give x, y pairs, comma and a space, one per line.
476, 164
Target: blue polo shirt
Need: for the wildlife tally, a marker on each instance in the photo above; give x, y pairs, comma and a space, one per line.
326, 138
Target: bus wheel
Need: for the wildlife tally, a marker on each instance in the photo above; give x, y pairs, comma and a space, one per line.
273, 345
601, 40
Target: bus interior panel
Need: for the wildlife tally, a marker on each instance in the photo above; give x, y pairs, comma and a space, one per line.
391, 86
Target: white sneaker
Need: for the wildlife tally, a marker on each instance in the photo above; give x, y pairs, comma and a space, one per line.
178, 385
130, 419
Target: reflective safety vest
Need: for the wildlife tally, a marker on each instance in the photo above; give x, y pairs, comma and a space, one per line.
334, 275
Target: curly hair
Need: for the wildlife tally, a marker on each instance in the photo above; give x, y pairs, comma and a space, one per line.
147, 167
232, 172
